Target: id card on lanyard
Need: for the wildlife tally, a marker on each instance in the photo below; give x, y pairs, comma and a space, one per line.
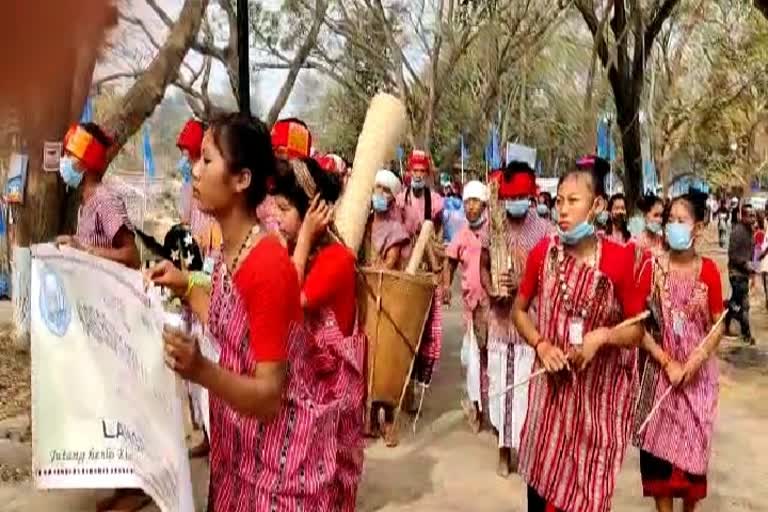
576, 331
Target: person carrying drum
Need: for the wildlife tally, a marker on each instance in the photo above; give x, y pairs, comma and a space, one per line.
509, 358
387, 247
418, 203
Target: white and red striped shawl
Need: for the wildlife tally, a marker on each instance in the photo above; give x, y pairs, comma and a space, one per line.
100, 217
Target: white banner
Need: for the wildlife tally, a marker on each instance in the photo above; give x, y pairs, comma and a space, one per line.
106, 411
521, 154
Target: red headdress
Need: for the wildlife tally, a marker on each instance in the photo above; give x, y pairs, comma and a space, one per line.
191, 138
331, 163
514, 181
91, 153
291, 139
419, 161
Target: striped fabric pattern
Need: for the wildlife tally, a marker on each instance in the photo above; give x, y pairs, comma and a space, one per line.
681, 430
578, 425
502, 333
100, 218
279, 466
342, 366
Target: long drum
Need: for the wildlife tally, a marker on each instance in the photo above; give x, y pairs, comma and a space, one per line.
394, 308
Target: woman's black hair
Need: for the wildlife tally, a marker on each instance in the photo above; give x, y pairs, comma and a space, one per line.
244, 142
614, 198
696, 202
517, 167
596, 168
646, 203
98, 133
328, 186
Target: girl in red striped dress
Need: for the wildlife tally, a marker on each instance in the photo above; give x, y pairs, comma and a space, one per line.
326, 269
266, 414
651, 239
686, 298
579, 413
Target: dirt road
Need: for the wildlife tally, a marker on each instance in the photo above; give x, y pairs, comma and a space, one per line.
444, 467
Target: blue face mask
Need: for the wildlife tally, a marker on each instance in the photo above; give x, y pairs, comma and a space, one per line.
68, 173
654, 227
185, 168
417, 183
577, 233
679, 236
380, 203
542, 210
602, 218
517, 207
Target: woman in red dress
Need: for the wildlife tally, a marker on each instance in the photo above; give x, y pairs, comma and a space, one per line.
685, 294
651, 239
266, 415
579, 414
326, 269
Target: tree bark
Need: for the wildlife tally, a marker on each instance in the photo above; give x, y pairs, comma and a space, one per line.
148, 90
627, 119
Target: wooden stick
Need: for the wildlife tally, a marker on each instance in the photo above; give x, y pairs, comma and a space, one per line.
670, 388
629, 321
632, 321
421, 245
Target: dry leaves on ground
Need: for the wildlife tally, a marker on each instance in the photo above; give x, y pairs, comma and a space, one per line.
15, 392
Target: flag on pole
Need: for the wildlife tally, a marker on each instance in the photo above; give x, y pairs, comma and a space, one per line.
87, 115
149, 161
492, 149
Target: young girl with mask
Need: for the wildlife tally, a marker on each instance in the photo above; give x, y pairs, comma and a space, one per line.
617, 224
465, 250
509, 358
266, 415
685, 292
579, 413
651, 239
326, 269
103, 227
544, 205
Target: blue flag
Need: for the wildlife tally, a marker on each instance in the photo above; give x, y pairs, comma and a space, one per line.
87, 115
493, 149
149, 161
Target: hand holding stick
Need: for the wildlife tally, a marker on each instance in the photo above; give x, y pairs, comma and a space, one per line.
629, 321
663, 397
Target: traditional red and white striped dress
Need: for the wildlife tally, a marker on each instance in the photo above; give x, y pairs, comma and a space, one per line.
578, 424
680, 432
510, 358
100, 217
330, 316
279, 465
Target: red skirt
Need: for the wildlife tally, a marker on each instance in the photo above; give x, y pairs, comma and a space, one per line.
663, 480
538, 504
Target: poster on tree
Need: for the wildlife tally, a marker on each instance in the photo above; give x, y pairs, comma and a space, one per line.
106, 411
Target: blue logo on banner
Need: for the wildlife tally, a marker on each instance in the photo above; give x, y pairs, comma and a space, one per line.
54, 305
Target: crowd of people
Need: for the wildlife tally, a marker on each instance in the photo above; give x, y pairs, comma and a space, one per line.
585, 340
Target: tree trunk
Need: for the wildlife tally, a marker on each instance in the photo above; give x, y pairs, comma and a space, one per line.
627, 119
148, 90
